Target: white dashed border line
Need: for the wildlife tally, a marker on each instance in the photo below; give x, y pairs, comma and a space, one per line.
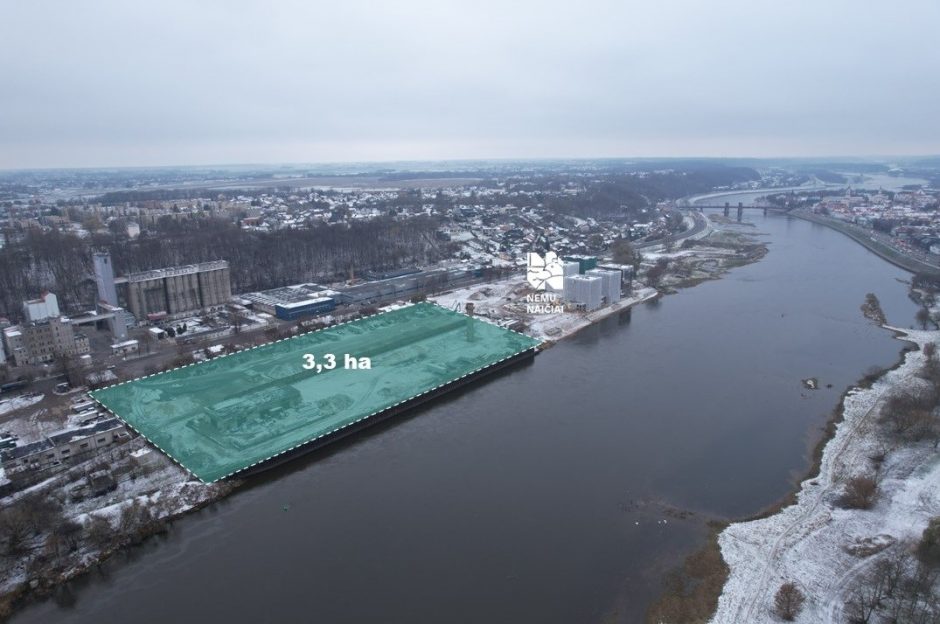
538, 344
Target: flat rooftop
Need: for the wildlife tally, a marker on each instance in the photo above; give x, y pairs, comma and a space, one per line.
143, 276
221, 416
285, 295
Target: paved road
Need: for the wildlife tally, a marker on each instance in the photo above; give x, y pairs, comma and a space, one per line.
700, 224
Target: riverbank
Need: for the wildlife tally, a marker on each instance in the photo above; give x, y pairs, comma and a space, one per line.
710, 253
708, 583
864, 238
696, 598
816, 543
47, 520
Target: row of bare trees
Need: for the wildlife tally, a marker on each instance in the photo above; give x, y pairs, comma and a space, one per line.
61, 262
910, 413
897, 587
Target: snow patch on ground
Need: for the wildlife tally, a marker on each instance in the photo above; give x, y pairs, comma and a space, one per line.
811, 542
19, 402
166, 490
486, 298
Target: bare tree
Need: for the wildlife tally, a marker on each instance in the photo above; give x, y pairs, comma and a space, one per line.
860, 493
99, 531
237, 321
657, 271
923, 317
872, 309
861, 605
623, 252
909, 413
929, 548
68, 365
897, 588
15, 529
788, 602
147, 338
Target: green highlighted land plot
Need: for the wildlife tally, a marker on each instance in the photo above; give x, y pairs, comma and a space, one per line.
230, 413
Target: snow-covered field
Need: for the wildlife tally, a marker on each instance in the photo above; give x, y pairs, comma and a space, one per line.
808, 543
32, 424
25, 400
487, 298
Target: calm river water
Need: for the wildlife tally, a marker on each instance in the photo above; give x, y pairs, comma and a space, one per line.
541, 496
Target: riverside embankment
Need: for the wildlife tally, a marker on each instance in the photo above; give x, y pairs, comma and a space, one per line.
865, 238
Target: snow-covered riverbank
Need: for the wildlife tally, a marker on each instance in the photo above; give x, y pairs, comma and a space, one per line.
818, 545
63, 529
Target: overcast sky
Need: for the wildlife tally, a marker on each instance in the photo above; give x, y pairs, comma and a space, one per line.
192, 82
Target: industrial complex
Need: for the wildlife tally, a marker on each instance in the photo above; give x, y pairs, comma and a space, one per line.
167, 293
178, 291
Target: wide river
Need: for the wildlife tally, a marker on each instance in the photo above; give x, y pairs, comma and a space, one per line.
544, 495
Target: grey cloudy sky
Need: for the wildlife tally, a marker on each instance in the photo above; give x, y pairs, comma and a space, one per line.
197, 82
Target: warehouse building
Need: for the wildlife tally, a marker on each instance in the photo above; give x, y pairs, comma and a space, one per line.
294, 302
300, 309
58, 448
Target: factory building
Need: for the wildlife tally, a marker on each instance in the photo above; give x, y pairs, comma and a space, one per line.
172, 292
294, 302
611, 283
408, 284
178, 291
300, 309
584, 291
